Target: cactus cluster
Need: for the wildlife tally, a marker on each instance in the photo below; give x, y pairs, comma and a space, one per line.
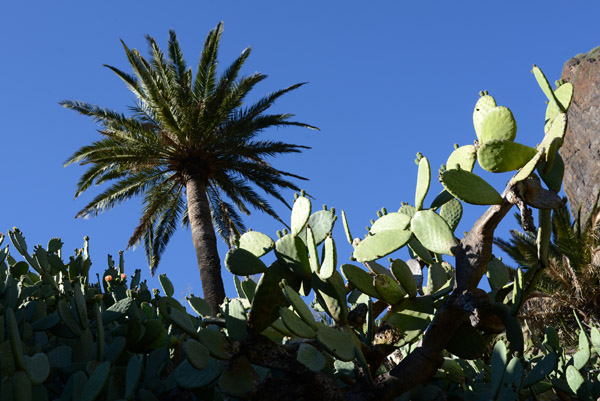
64, 336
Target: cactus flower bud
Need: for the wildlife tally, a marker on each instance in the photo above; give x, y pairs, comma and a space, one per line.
123, 276
108, 279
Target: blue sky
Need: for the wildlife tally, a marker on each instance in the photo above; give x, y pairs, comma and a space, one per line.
385, 81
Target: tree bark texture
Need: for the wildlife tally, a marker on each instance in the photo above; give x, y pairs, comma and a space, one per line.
581, 148
205, 243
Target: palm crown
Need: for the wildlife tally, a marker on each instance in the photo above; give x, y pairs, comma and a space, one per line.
189, 147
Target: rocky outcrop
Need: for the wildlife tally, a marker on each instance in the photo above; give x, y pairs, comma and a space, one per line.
581, 149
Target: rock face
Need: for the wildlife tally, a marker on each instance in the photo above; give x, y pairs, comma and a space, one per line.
581, 149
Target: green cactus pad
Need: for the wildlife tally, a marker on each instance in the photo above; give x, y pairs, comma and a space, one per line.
554, 177
470, 188
166, 285
557, 131
482, 107
258, 243
295, 324
577, 383
64, 311
299, 306
405, 277
18, 269
190, 378
582, 356
497, 274
235, 319
497, 365
423, 180
249, 288
498, 124
197, 354
451, 212
37, 368
464, 156
132, 377
313, 255
243, 263
292, 251
433, 232
411, 317
329, 258
21, 387
436, 278
595, 338
511, 381
376, 268
360, 279
546, 88
500, 156
564, 95
94, 385
200, 306
419, 250
381, 244
390, 221
527, 169
80, 305
267, 299
331, 295
517, 293
543, 368
300, 214
514, 334
311, 357
15, 339
321, 223
239, 379
337, 343
408, 210
467, 342
346, 228
84, 349
215, 342
281, 328
389, 291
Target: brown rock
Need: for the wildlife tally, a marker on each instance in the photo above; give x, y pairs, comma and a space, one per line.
581, 149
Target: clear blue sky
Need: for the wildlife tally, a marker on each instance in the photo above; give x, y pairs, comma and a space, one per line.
386, 81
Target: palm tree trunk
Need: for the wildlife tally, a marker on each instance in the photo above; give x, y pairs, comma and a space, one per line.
205, 243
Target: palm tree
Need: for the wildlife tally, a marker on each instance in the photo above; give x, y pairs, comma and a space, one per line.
571, 280
190, 148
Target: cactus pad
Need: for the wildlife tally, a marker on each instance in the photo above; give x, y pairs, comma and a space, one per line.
214, 341
313, 255
411, 317
482, 107
166, 285
267, 298
500, 156
436, 278
329, 258
433, 232
311, 357
360, 279
389, 290
243, 263
408, 210
498, 124
452, 212
418, 250
390, 221
295, 324
197, 354
292, 251
200, 306
300, 214
464, 156
256, 242
470, 188
346, 228
38, 368
564, 95
381, 244
188, 377
543, 368
331, 295
547, 89
239, 378
235, 319
528, 168
337, 343
405, 277
497, 274
321, 223
299, 306
94, 385
423, 180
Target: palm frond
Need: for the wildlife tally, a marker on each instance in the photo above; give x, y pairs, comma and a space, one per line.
205, 81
